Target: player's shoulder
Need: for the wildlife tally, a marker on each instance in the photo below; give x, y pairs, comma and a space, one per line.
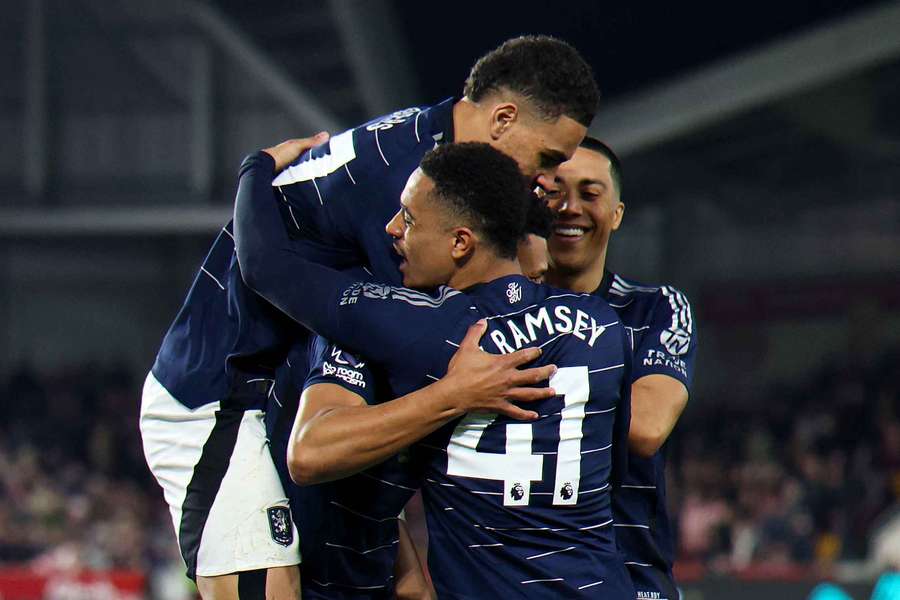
375, 147
620, 289
414, 129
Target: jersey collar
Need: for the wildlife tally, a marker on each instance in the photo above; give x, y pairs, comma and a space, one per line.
605, 283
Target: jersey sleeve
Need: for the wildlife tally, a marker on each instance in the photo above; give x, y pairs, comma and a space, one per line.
377, 321
328, 363
669, 346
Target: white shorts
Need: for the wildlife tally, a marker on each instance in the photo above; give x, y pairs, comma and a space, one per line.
228, 506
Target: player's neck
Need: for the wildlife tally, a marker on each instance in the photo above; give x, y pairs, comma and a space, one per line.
585, 281
464, 121
483, 269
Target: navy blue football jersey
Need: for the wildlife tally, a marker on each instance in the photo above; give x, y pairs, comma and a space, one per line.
348, 527
226, 341
662, 336
515, 508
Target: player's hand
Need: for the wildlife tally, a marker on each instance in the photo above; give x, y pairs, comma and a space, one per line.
492, 382
288, 151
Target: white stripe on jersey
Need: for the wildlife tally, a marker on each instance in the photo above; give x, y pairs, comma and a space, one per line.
582, 587
421, 299
681, 309
391, 483
355, 587
542, 555
378, 143
213, 278
416, 124
359, 514
362, 551
341, 151
346, 168
318, 193
624, 286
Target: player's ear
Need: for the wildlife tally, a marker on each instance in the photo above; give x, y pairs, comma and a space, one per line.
463, 244
618, 213
503, 116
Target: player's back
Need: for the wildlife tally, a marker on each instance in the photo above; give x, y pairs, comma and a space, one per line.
524, 507
336, 199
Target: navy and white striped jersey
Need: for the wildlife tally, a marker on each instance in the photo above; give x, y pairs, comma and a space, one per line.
663, 338
348, 527
514, 508
336, 200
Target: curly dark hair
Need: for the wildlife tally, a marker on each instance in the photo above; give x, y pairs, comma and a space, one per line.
547, 71
485, 188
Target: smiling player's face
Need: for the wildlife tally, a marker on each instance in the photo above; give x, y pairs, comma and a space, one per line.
422, 236
589, 210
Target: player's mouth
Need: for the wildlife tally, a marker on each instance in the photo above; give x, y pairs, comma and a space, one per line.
568, 233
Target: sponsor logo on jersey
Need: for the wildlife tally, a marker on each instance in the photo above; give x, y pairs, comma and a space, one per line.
676, 340
658, 358
280, 525
514, 292
394, 118
345, 374
342, 357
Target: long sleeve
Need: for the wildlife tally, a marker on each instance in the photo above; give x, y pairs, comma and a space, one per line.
363, 317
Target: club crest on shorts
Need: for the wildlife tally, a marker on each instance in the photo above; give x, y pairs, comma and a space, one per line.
280, 525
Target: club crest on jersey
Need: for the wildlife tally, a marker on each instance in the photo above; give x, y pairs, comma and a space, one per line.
676, 340
513, 292
517, 491
345, 358
394, 118
280, 525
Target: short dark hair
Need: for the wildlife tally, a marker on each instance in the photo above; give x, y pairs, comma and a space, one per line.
547, 71
485, 187
615, 165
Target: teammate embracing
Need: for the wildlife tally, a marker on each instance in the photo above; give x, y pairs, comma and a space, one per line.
211, 386
663, 339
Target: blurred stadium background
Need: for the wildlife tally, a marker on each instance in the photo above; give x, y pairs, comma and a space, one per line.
761, 145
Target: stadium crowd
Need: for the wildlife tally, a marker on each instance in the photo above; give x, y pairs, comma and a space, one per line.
74, 489
800, 478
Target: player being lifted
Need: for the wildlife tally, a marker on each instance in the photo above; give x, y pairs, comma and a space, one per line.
515, 508
203, 402
663, 340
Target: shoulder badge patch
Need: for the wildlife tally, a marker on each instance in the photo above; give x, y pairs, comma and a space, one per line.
280, 525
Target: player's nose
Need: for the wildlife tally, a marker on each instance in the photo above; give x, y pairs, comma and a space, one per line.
394, 227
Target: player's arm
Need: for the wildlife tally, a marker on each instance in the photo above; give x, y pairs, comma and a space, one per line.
336, 433
314, 295
657, 402
409, 577
663, 370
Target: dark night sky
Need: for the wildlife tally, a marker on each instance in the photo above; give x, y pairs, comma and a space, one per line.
630, 45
